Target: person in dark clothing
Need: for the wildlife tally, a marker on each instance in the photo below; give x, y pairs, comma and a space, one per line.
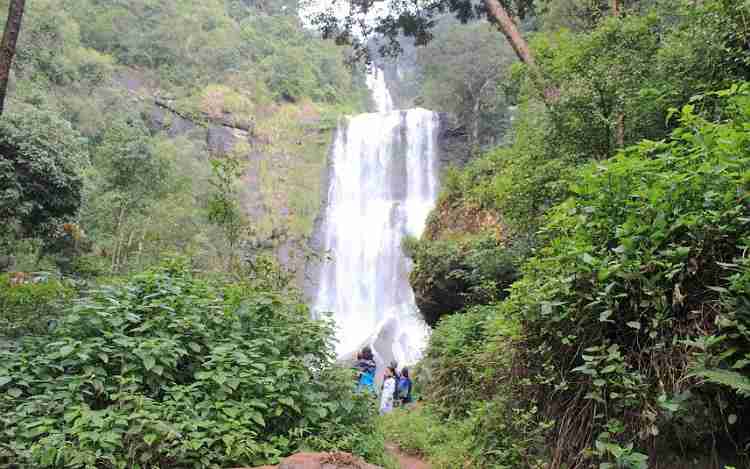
404, 387
366, 367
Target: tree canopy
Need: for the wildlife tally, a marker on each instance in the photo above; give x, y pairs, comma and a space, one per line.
403, 17
41, 187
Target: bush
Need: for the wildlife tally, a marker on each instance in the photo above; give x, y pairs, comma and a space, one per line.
476, 408
450, 275
630, 280
627, 332
362, 436
168, 370
40, 172
29, 302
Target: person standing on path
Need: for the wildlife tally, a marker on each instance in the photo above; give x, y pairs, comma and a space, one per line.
404, 387
389, 388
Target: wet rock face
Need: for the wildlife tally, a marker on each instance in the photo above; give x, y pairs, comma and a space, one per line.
161, 119
220, 140
322, 461
452, 142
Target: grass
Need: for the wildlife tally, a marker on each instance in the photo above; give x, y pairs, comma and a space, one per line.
417, 431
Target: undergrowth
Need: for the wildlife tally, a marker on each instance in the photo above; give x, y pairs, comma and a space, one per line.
417, 431
625, 340
168, 369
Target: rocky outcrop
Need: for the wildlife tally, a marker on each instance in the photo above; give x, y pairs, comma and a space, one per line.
162, 119
452, 142
224, 120
220, 140
321, 461
222, 132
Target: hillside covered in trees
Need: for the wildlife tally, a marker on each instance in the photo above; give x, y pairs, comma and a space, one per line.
143, 94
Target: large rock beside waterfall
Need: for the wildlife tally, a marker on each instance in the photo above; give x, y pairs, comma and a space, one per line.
322, 461
452, 141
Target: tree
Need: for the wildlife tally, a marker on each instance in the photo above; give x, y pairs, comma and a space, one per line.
8, 45
130, 178
417, 21
41, 160
403, 17
224, 209
508, 26
462, 68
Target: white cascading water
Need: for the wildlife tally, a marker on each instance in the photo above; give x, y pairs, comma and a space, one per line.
383, 185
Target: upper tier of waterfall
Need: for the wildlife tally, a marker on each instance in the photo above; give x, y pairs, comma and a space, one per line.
383, 185
379, 91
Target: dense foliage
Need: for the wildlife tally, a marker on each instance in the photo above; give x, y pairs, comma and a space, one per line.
31, 304
588, 279
623, 341
40, 174
170, 370
450, 275
625, 337
156, 90
135, 130
630, 282
464, 70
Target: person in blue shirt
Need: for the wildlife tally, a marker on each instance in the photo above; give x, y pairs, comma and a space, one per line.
404, 387
366, 368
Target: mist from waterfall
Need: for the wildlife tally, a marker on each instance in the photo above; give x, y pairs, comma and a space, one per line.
383, 185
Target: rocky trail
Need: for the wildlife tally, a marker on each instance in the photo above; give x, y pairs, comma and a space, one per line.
343, 461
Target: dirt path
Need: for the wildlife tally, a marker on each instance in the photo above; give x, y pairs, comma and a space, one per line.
404, 460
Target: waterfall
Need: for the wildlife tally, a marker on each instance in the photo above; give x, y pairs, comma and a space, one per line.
379, 91
383, 184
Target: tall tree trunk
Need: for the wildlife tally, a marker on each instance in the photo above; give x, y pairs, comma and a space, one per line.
615, 7
620, 116
508, 27
620, 129
474, 137
8, 45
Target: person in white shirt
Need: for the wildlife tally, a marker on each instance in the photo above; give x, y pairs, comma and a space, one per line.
389, 388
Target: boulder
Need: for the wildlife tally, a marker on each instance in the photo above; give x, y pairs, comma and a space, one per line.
322, 461
220, 140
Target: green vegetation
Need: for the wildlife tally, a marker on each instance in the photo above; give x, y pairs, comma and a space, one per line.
451, 275
40, 174
30, 305
464, 70
587, 273
620, 208
421, 433
140, 95
170, 370
141, 131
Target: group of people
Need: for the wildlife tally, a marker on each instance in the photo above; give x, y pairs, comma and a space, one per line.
396, 387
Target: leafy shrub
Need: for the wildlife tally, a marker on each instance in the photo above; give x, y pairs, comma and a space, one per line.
627, 333
359, 433
471, 383
452, 367
168, 370
450, 275
28, 302
40, 172
630, 279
